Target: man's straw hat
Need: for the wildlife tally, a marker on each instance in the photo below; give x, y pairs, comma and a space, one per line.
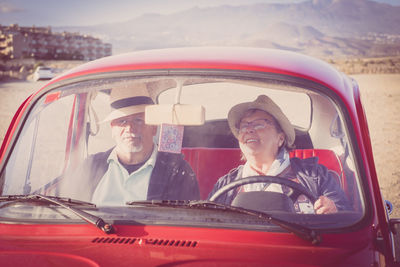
125, 101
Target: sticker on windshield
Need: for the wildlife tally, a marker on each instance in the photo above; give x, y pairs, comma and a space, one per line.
171, 137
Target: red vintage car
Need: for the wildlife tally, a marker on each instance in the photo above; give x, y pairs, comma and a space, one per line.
51, 218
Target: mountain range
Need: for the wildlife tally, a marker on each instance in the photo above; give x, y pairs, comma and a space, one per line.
322, 28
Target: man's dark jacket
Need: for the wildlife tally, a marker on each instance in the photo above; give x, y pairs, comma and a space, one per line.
171, 179
315, 177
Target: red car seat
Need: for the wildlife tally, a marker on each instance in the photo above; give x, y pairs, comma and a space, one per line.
211, 163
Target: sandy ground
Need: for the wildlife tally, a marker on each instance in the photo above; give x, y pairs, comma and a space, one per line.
381, 98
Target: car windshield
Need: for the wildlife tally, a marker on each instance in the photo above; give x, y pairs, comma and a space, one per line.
117, 141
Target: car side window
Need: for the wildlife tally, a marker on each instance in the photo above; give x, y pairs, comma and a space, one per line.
100, 131
43, 146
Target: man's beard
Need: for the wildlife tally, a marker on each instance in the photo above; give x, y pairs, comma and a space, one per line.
131, 147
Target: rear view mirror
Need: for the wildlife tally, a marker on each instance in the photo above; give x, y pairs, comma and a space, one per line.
178, 114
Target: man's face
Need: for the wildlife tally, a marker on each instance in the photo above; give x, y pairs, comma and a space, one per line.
132, 135
258, 136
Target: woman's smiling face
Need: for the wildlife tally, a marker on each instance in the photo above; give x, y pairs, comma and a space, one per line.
259, 136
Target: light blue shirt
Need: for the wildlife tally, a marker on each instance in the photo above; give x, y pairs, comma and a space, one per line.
117, 186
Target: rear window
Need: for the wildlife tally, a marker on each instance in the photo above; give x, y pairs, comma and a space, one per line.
205, 94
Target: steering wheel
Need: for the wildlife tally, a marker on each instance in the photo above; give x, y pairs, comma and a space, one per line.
298, 189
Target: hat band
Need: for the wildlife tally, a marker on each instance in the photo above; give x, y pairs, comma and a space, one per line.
132, 101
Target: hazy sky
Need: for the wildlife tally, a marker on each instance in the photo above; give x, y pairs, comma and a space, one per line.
92, 12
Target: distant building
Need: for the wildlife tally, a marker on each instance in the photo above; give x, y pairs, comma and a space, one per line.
40, 43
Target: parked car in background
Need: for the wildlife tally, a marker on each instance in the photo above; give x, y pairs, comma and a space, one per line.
43, 73
61, 125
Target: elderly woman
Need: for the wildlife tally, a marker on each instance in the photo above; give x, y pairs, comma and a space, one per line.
265, 135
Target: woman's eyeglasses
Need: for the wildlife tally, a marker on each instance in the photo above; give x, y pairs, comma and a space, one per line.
255, 125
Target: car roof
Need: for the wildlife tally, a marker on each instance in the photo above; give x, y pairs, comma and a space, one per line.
240, 58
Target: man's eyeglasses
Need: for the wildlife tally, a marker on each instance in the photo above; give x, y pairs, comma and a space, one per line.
123, 122
255, 125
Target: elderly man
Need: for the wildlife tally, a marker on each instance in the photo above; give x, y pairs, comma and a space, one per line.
265, 135
134, 169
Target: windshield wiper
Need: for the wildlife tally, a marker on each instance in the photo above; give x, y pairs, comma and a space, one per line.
298, 229
67, 204
69, 201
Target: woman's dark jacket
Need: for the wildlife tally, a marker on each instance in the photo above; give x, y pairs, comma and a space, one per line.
315, 177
